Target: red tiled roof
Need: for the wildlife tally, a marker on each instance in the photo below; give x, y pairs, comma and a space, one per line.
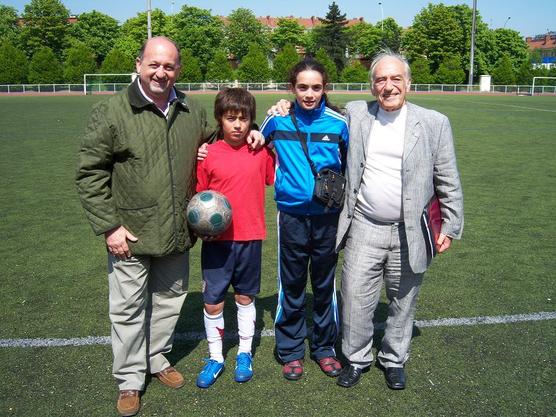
547, 41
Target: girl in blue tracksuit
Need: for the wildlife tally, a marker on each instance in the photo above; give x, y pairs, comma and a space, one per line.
306, 229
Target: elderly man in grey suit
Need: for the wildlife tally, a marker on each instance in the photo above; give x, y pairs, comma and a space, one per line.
400, 157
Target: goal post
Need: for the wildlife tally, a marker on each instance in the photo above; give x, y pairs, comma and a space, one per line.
101, 79
542, 78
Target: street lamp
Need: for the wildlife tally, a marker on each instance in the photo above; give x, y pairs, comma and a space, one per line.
381, 16
506, 22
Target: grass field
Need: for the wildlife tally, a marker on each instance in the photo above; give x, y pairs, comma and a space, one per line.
54, 282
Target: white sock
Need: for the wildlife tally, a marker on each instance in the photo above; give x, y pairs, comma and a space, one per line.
246, 316
214, 327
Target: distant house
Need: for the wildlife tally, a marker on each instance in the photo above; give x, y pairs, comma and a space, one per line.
546, 45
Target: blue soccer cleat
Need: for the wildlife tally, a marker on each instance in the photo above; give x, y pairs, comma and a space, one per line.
244, 367
211, 371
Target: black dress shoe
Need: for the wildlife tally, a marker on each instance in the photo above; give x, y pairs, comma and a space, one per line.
395, 378
349, 376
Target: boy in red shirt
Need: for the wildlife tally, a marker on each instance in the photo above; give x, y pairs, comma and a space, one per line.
240, 173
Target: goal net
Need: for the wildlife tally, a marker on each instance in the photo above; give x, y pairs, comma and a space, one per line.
542, 85
106, 83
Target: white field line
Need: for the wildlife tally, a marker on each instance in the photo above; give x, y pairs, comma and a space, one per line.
192, 336
513, 105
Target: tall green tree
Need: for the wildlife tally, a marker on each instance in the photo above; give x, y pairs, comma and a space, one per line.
421, 71
364, 39
79, 60
129, 47
117, 61
355, 72
435, 33
45, 24
329, 65
254, 66
45, 67
503, 73
525, 73
9, 30
190, 68
242, 30
288, 32
199, 31
136, 27
390, 34
219, 69
332, 35
96, 30
450, 71
13, 64
283, 63
509, 43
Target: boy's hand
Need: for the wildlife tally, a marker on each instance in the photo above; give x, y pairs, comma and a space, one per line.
282, 108
208, 238
202, 152
255, 140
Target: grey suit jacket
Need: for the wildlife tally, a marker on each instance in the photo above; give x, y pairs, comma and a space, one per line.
429, 166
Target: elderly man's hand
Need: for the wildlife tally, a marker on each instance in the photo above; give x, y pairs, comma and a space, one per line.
282, 108
116, 242
443, 243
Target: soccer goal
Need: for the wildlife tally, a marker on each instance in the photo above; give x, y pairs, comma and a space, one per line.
106, 83
543, 88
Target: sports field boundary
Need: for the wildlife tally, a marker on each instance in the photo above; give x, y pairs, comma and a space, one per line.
193, 336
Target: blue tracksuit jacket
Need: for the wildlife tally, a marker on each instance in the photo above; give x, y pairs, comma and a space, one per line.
327, 142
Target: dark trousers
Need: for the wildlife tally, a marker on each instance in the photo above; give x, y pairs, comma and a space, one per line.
306, 242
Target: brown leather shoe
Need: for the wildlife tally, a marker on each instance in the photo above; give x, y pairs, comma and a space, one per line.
128, 403
170, 377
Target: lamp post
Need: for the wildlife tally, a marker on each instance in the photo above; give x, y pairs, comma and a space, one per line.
381, 16
506, 22
472, 54
149, 29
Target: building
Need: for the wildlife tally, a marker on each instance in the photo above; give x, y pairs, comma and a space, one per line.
546, 45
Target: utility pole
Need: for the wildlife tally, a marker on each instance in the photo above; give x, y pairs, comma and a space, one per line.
149, 29
472, 54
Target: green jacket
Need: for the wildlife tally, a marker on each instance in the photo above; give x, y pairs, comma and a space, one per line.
137, 169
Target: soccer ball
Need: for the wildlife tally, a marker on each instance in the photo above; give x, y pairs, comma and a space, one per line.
209, 213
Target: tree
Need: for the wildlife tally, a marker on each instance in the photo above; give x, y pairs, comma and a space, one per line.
288, 32
509, 43
283, 63
200, 32
435, 33
503, 73
364, 39
332, 35
45, 24
117, 62
355, 72
421, 72
96, 30
219, 69
129, 47
328, 64
79, 60
45, 67
244, 29
190, 68
13, 64
254, 66
449, 71
9, 30
136, 27
390, 34
525, 73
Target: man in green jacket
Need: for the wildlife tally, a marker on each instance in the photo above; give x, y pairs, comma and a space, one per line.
135, 178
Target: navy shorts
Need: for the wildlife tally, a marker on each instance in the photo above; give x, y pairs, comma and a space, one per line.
229, 262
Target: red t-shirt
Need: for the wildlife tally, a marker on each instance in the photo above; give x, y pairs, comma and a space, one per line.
240, 174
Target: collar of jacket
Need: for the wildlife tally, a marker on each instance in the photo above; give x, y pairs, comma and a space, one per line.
136, 99
309, 115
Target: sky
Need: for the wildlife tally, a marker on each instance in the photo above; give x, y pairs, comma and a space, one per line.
528, 17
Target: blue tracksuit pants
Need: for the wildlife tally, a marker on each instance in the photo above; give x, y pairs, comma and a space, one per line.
306, 243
